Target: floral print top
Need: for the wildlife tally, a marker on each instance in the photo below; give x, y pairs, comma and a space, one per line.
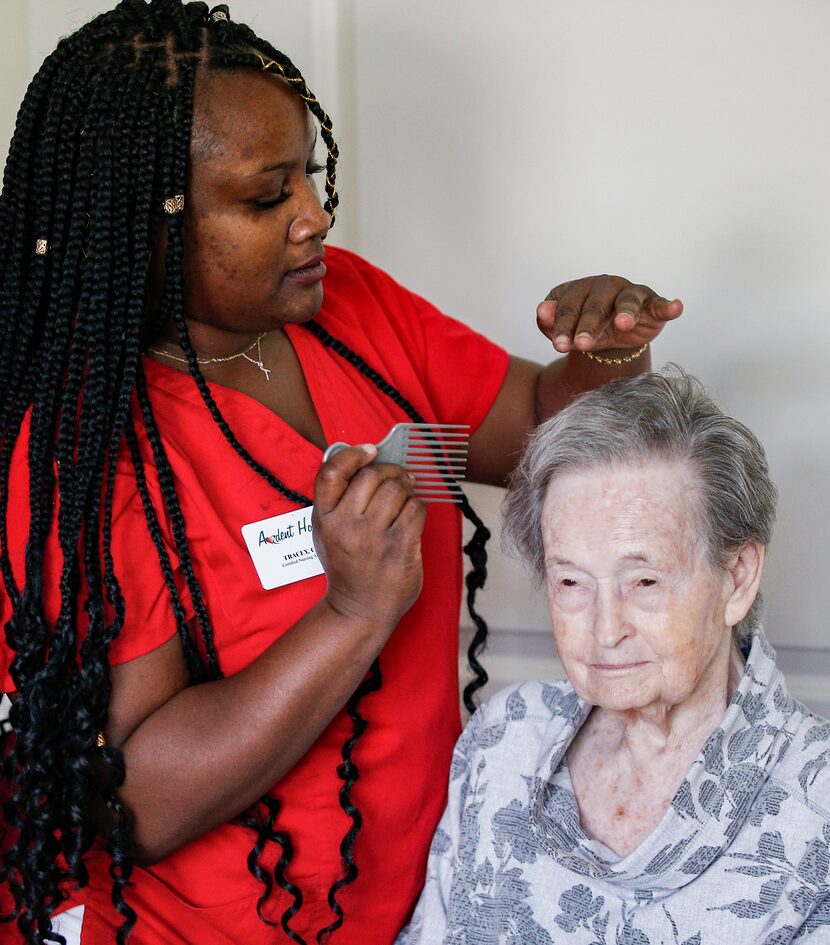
740, 857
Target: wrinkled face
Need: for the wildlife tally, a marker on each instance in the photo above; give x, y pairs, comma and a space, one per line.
254, 224
637, 610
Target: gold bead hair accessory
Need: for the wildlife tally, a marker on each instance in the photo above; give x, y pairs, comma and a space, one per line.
174, 204
305, 93
218, 15
623, 360
42, 247
100, 741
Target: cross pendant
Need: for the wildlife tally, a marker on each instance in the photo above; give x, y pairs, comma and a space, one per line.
264, 370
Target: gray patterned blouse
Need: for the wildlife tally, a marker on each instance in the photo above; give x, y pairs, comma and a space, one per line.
740, 857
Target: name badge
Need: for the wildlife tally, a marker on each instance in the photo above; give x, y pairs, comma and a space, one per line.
282, 549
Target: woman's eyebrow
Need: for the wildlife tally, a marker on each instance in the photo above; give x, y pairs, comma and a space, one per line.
278, 166
561, 562
639, 556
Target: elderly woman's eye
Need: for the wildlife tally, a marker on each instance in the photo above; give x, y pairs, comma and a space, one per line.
646, 582
568, 582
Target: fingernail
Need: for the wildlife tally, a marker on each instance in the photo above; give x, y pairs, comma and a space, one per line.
369, 448
561, 340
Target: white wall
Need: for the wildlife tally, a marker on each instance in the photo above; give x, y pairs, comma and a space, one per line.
502, 148
14, 66
492, 150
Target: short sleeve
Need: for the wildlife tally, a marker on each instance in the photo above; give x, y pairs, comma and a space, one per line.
460, 369
461, 366
148, 606
149, 618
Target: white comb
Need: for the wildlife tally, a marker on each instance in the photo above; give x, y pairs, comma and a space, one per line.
435, 454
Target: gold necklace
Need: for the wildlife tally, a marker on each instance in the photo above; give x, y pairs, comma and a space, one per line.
231, 357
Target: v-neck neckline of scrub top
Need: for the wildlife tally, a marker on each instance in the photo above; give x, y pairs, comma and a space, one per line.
262, 417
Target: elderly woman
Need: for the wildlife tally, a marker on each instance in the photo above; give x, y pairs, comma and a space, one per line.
671, 791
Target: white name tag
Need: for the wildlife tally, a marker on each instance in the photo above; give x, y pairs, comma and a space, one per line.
282, 549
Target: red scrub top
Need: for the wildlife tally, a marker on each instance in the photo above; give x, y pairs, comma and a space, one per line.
204, 892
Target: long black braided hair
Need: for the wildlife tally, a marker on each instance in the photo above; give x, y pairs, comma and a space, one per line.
114, 104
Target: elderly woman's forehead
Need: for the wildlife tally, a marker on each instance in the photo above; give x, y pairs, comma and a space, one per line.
653, 489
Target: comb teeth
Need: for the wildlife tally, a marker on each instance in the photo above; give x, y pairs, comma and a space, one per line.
436, 469
437, 457
436, 433
425, 492
446, 498
435, 454
417, 463
452, 456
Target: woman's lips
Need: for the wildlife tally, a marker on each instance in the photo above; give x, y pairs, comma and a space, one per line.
616, 667
308, 274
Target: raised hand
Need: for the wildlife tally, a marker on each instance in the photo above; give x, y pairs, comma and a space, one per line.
599, 313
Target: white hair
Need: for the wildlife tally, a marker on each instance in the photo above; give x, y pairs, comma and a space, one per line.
666, 414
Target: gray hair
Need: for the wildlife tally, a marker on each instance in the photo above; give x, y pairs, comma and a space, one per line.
666, 414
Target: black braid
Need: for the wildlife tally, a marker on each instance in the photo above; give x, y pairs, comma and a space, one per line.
93, 108
44, 678
475, 549
348, 772
193, 660
264, 829
42, 744
115, 404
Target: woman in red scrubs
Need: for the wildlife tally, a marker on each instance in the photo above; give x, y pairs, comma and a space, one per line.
178, 349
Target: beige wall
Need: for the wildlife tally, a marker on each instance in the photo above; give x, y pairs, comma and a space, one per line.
14, 66
494, 149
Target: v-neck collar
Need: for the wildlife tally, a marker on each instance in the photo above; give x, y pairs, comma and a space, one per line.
709, 808
255, 415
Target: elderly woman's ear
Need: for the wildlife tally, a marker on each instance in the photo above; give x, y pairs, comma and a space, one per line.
744, 574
